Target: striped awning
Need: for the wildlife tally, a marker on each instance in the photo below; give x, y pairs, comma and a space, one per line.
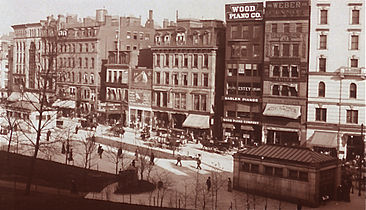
282, 110
323, 139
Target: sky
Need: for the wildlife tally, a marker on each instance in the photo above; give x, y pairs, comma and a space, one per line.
26, 11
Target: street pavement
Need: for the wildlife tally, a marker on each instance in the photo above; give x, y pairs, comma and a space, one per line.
185, 185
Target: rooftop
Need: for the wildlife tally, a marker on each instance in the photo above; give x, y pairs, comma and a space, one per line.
297, 155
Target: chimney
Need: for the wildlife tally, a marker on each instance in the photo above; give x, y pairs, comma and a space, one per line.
150, 14
165, 23
176, 16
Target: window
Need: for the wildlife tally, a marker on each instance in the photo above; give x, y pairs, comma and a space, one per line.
355, 16
256, 50
323, 42
166, 74
321, 89
166, 59
183, 99
276, 90
278, 172
321, 114
245, 167
354, 42
354, 63
286, 28
203, 102
205, 60
285, 90
246, 32
323, 16
353, 90
299, 27
175, 79
177, 100
205, 80
285, 71
86, 62
195, 60
185, 79
303, 176
231, 88
248, 70
286, 50
185, 61
86, 47
235, 33
80, 47
322, 64
352, 116
165, 99
276, 71
294, 71
256, 32
196, 102
268, 170
295, 50
176, 60
157, 77
292, 174
195, 79
128, 36
135, 36
157, 60
274, 27
276, 50
254, 168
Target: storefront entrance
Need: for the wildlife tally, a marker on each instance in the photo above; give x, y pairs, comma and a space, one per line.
285, 138
354, 147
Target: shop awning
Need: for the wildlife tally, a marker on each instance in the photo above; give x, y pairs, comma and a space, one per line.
281, 110
69, 104
227, 125
323, 139
282, 129
197, 121
246, 127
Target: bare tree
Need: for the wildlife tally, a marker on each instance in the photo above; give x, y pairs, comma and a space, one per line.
117, 156
164, 184
218, 181
89, 148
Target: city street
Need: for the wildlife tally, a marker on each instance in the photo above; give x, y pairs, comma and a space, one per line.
186, 184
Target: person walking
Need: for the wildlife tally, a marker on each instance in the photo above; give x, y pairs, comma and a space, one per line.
179, 160
229, 188
152, 157
208, 183
199, 162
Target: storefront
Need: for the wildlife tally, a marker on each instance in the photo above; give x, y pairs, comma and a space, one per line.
241, 135
282, 124
112, 112
198, 125
324, 142
140, 117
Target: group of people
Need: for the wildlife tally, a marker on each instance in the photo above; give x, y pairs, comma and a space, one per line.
198, 161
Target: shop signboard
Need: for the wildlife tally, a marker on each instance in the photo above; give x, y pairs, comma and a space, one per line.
286, 9
242, 12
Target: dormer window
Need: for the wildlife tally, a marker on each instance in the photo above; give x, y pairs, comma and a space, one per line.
157, 40
181, 38
167, 39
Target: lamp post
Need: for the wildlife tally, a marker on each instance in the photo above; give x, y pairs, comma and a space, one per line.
362, 153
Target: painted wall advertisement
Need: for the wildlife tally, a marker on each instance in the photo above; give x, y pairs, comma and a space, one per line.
139, 97
141, 78
279, 9
250, 11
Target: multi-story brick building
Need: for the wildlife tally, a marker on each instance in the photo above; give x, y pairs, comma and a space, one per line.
4, 67
337, 84
243, 81
27, 47
285, 72
187, 75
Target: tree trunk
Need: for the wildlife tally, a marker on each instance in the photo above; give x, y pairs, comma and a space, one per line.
86, 160
33, 163
10, 138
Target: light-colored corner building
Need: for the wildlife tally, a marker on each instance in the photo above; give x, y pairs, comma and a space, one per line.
337, 76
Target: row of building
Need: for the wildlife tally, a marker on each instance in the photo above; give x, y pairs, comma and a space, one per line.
277, 72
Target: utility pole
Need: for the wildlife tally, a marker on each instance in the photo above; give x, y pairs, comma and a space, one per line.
362, 154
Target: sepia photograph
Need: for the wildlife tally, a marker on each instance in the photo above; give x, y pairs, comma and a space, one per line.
182, 104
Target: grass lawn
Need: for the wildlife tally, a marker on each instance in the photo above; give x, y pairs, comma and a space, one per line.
16, 200
53, 174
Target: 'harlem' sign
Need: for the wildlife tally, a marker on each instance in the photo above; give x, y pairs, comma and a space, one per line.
251, 11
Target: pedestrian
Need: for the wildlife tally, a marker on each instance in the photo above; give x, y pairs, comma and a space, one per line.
179, 160
229, 188
208, 183
76, 129
152, 157
133, 163
136, 154
199, 162
298, 206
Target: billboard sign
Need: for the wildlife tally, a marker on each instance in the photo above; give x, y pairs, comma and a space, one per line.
240, 12
285, 9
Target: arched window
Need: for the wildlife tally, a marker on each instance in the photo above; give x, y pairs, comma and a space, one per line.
321, 89
353, 90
